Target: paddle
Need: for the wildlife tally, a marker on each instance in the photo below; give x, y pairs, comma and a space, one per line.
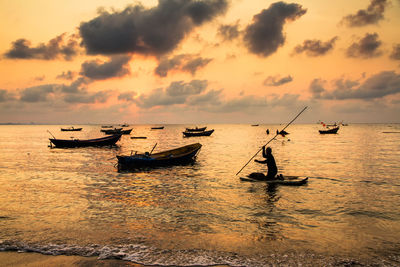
271, 140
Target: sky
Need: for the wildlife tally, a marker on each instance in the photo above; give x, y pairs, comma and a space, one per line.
199, 61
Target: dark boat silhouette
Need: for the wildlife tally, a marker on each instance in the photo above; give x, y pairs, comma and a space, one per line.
103, 141
177, 156
203, 133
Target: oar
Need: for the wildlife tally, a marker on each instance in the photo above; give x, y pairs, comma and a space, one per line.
51, 134
153, 149
271, 140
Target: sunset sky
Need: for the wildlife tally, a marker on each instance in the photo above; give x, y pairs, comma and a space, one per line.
203, 61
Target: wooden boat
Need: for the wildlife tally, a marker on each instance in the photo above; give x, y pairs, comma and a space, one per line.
196, 129
138, 137
71, 129
157, 128
106, 126
104, 141
203, 133
177, 156
111, 131
329, 131
255, 125
288, 180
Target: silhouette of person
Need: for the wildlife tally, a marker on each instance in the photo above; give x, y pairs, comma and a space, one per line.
270, 161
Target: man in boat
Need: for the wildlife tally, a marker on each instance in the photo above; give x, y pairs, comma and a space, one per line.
270, 161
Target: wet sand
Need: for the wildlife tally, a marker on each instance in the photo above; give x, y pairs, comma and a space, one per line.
28, 259
17, 259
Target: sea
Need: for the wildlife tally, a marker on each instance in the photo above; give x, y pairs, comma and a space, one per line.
74, 201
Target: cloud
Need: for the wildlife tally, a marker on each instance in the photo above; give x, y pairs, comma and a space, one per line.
98, 70
229, 32
396, 52
128, 96
367, 47
69, 75
37, 93
83, 96
184, 62
265, 35
156, 30
196, 63
56, 48
377, 86
372, 15
315, 48
6, 96
212, 97
176, 93
277, 81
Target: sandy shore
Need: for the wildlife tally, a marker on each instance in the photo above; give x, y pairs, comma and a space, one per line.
17, 259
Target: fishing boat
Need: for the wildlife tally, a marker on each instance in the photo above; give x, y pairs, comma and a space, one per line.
70, 129
203, 133
196, 129
117, 131
138, 137
178, 156
255, 125
287, 180
330, 131
157, 128
111, 131
106, 126
104, 141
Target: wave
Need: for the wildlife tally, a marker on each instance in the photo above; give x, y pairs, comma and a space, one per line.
145, 255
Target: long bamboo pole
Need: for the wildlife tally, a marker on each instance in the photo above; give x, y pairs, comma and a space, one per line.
287, 125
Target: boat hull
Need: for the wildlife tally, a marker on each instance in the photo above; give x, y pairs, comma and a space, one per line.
202, 129
288, 180
178, 156
204, 133
69, 143
71, 129
330, 131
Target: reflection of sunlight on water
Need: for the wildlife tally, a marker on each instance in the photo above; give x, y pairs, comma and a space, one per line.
77, 196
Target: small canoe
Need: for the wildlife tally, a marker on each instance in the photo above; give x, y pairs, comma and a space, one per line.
196, 129
157, 128
255, 125
329, 131
70, 129
203, 133
177, 156
288, 180
138, 137
116, 131
104, 141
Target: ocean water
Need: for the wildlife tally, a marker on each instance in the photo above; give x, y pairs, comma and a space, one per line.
75, 202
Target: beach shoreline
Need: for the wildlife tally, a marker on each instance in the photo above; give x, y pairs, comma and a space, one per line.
32, 259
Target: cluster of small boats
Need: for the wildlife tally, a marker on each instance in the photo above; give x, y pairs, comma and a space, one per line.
189, 132
178, 156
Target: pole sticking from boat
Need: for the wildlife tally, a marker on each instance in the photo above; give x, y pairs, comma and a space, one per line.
272, 139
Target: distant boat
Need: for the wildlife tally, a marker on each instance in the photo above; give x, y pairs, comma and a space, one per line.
117, 131
125, 125
106, 126
196, 129
70, 129
177, 156
104, 141
330, 131
157, 128
111, 131
203, 133
138, 137
255, 125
